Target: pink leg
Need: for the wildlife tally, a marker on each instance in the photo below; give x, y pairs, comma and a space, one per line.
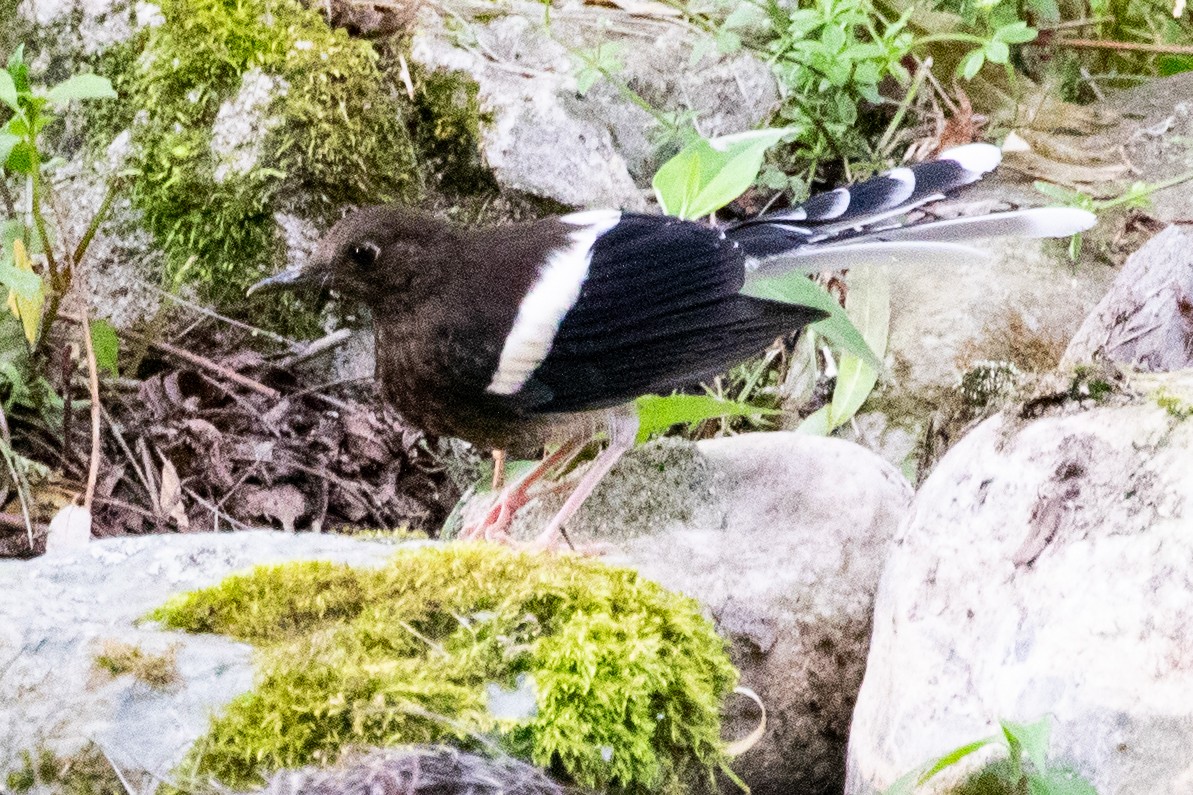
496, 522
623, 429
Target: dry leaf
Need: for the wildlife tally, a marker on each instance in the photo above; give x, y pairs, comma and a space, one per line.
171, 496
27, 309
69, 529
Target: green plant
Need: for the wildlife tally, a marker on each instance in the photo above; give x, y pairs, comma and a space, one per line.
1137, 196
617, 683
37, 269
1024, 770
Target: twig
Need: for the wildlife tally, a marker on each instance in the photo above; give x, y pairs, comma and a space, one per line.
96, 220
335, 338
93, 385
1126, 46
208, 364
216, 511
202, 310
128, 451
21, 522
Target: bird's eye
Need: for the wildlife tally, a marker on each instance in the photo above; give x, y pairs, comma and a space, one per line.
364, 255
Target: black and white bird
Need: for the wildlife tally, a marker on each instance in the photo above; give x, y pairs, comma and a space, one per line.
542, 333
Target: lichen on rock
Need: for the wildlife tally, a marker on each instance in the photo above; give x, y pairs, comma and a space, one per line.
627, 679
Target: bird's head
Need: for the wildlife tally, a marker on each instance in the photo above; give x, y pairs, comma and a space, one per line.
370, 253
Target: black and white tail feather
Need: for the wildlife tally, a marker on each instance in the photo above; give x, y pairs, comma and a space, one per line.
861, 224
638, 304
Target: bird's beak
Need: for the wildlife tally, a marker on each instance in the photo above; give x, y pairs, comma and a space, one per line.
290, 277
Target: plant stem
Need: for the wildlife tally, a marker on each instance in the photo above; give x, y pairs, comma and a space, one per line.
96, 220
93, 384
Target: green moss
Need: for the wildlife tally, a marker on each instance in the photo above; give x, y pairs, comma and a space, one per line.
628, 678
156, 670
335, 133
446, 125
1174, 405
87, 772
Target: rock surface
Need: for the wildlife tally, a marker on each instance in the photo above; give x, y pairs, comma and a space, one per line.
593, 150
1042, 570
60, 610
782, 537
782, 540
1145, 321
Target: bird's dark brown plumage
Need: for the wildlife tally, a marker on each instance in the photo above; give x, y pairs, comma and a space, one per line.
508, 337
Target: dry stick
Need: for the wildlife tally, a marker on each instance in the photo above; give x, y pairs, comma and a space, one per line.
1126, 46
202, 310
128, 452
93, 384
317, 347
208, 364
216, 511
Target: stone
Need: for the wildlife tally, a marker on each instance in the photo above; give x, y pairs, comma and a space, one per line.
782, 542
1145, 321
61, 610
1041, 571
781, 536
541, 137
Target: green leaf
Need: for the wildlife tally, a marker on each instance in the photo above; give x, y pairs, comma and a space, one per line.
796, 288
89, 86
8, 90
708, 174
106, 345
1032, 738
868, 304
997, 52
1016, 33
657, 413
971, 64
22, 159
7, 142
817, 423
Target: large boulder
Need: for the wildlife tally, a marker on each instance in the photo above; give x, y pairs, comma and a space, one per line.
781, 536
1042, 571
781, 540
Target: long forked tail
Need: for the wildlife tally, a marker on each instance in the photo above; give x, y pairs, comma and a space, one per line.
864, 223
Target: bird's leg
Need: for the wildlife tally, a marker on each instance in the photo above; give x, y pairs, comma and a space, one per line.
495, 524
498, 469
623, 429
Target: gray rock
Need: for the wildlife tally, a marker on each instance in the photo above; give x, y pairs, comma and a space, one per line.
595, 150
781, 536
1145, 321
1154, 135
1041, 570
783, 543
61, 610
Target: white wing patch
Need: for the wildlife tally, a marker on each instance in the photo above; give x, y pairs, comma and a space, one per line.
550, 298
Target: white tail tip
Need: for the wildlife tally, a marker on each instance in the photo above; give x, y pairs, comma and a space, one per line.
978, 158
1059, 221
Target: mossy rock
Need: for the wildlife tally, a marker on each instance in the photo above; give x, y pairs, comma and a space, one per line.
239, 110
620, 682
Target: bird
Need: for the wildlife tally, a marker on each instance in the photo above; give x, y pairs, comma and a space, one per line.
543, 333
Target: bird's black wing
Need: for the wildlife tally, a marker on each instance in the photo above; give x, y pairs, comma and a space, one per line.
658, 310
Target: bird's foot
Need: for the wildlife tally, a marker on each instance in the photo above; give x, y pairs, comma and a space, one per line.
495, 524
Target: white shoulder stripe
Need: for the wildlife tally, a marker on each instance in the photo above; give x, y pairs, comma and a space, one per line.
549, 299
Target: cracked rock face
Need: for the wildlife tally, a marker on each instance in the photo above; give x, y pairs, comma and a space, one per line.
1042, 571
